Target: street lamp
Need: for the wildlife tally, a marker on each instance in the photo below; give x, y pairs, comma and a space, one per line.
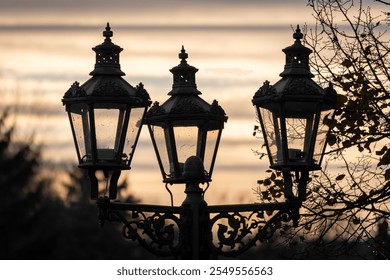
292, 114
185, 125
105, 115
185, 132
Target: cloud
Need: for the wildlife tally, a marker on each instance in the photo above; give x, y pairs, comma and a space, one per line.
137, 4
152, 12
235, 71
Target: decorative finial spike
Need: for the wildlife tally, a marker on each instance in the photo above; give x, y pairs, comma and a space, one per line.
108, 33
298, 35
183, 55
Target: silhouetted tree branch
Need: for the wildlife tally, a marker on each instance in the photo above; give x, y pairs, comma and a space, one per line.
348, 203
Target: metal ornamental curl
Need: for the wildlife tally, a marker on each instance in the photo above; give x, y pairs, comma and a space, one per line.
157, 231
239, 231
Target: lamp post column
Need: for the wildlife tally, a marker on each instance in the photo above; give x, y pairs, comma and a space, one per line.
196, 220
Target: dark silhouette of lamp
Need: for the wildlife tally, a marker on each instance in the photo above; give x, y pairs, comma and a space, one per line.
105, 115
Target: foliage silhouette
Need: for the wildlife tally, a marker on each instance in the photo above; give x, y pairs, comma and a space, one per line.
22, 197
36, 224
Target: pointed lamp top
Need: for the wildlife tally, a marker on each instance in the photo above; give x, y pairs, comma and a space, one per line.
298, 35
107, 56
183, 55
108, 33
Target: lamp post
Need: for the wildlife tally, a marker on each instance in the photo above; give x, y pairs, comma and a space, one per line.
105, 115
185, 125
292, 114
185, 131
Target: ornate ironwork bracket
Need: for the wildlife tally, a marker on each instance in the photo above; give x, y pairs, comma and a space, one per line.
240, 227
156, 228
198, 232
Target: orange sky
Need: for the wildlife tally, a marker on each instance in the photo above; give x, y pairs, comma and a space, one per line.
45, 45
152, 12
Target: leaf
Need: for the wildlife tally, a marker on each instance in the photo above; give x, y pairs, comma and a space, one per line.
330, 122
332, 139
367, 50
387, 174
381, 151
347, 144
340, 177
278, 182
347, 63
341, 100
265, 195
385, 159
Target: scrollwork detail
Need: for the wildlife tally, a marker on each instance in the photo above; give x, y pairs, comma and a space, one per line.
157, 232
109, 88
237, 232
75, 91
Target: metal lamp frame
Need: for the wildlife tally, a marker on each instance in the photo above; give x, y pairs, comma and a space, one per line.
196, 230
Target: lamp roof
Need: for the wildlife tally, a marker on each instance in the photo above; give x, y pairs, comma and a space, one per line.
107, 56
297, 58
296, 83
185, 102
184, 81
106, 83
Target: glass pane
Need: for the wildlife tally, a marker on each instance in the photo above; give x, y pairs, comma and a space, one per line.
321, 136
108, 126
272, 134
133, 131
211, 142
159, 134
299, 132
300, 118
80, 119
186, 142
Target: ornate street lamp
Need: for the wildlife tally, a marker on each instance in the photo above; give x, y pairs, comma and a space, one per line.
185, 125
185, 132
292, 114
105, 115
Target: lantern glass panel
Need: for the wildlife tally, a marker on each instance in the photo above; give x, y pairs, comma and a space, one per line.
161, 139
109, 126
211, 145
321, 136
299, 132
133, 130
82, 132
272, 134
186, 138
300, 118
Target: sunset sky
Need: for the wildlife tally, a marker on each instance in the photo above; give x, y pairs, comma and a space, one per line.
153, 12
45, 45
